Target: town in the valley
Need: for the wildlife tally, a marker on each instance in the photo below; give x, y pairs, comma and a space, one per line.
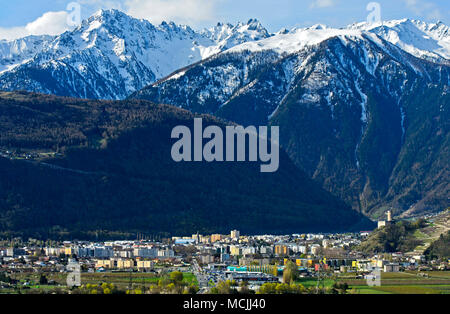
226, 263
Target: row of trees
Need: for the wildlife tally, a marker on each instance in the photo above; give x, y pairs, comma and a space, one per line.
172, 283
104, 288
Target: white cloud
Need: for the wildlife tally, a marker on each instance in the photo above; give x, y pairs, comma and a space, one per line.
322, 4
50, 23
425, 9
189, 12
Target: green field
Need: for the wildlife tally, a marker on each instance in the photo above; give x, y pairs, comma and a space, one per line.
433, 282
121, 280
406, 289
436, 282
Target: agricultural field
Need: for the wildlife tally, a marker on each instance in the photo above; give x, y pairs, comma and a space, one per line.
433, 282
436, 226
29, 282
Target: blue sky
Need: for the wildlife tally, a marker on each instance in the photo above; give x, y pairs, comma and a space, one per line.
23, 17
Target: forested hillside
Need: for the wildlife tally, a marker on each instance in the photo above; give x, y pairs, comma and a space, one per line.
79, 168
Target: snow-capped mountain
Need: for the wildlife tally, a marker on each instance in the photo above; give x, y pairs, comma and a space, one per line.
110, 55
15, 52
356, 111
416, 37
363, 109
430, 41
228, 36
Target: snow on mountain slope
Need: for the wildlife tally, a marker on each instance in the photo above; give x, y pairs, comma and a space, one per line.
112, 43
295, 40
227, 35
115, 55
351, 107
429, 41
416, 37
214, 83
15, 52
111, 55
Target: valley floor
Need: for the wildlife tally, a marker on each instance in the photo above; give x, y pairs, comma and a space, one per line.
409, 282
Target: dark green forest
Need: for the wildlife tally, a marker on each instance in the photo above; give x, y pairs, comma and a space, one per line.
103, 169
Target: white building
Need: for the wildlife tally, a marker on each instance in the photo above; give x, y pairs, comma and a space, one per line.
166, 253
315, 249
145, 252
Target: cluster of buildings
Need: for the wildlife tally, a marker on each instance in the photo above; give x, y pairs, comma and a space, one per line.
310, 252
118, 255
260, 250
222, 256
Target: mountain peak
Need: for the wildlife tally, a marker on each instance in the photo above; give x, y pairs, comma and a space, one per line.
419, 38
129, 53
112, 20
107, 16
282, 31
254, 22
228, 35
111, 54
318, 26
108, 13
253, 25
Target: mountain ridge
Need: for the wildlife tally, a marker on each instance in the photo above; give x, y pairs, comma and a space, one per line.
112, 55
346, 106
353, 103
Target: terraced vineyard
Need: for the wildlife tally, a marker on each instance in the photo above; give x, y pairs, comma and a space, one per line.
437, 225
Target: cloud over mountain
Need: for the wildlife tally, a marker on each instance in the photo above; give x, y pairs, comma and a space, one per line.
50, 23
181, 11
